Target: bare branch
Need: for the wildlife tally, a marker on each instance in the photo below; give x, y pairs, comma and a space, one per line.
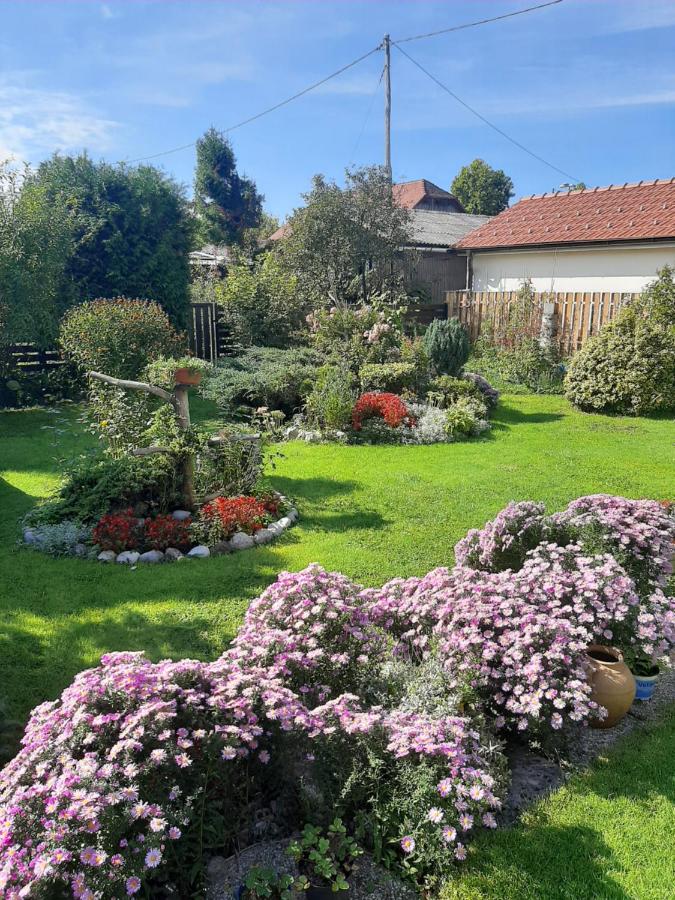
134, 386
232, 439
150, 451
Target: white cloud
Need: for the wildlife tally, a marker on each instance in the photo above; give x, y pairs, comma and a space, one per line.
640, 16
106, 11
35, 120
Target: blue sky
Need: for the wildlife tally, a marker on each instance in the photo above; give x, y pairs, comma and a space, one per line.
587, 84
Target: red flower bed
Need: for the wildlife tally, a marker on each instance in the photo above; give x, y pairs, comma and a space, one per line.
164, 531
376, 405
233, 514
117, 531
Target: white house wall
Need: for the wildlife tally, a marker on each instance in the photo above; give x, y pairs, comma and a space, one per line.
626, 269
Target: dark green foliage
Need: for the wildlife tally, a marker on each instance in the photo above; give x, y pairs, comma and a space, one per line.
482, 190
100, 484
447, 345
21, 388
118, 337
629, 367
391, 377
264, 376
226, 203
131, 231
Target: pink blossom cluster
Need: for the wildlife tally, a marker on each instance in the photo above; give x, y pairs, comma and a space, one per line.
503, 542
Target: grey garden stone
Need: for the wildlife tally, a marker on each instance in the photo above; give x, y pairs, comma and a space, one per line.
292, 514
81, 550
241, 541
172, 553
264, 536
284, 522
292, 433
220, 548
29, 536
106, 556
130, 557
181, 514
151, 556
199, 552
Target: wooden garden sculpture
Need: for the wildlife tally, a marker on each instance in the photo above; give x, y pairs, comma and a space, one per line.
178, 399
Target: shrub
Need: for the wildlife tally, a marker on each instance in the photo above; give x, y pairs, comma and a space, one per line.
466, 417
390, 377
446, 389
356, 334
164, 531
490, 394
219, 519
161, 370
330, 403
447, 345
628, 367
388, 407
526, 365
119, 336
98, 484
118, 531
504, 542
264, 376
430, 425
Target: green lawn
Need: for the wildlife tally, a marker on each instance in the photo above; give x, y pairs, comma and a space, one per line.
373, 513
608, 835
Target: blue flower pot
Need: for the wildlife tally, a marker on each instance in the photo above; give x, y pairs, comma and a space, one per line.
645, 685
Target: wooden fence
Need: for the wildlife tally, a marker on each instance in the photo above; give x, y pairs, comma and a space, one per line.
574, 315
208, 337
29, 358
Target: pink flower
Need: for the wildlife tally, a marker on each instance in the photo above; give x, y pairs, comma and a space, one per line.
132, 885
408, 843
153, 858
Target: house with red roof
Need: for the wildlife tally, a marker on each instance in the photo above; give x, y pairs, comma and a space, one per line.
614, 238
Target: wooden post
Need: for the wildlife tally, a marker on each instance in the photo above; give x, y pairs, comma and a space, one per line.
387, 106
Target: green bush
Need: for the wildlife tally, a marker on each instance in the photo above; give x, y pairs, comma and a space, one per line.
466, 417
161, 370
629, 367
447, 345
264, 376
99, 484
393, 377
330, 403
526, 366
119, 336
445, 390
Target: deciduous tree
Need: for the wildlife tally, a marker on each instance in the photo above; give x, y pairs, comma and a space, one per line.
482, 190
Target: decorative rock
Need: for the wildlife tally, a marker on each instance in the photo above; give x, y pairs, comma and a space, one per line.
152, 556
241, 541
312, 437
172, 553
292, 514
264, 536
130, 557
221, 548
284, 523
292, 433
29, 536
106, 556
81, 550
200, 552
181, 514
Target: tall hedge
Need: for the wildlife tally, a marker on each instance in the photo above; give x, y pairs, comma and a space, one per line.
131, 231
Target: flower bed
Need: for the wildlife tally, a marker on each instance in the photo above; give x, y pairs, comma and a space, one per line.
388, 706
222, 525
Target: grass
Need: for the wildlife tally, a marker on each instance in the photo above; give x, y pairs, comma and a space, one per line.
373, 513
607, 835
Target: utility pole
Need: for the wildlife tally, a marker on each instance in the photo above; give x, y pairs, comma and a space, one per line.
387, 105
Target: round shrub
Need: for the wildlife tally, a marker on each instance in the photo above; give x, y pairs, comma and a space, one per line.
393, 377
447, 346
629, 367
119, 336
375, 405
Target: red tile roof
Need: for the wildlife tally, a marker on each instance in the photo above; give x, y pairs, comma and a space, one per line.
410, 193
629, 212
281, 232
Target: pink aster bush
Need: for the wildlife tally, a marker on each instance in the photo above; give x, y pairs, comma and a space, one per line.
312, 629
504, 542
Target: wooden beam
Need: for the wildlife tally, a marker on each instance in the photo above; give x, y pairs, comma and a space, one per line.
150, 451
134, 386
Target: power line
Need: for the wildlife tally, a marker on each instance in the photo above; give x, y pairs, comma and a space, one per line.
264, 112
483, 119
518, 12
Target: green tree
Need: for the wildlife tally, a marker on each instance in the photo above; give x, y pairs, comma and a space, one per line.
226, 203
131, 231
482, 190
344, 244
35, 240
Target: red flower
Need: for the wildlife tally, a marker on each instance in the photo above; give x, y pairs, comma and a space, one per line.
164, 531
375, 405
236, 514
117, 531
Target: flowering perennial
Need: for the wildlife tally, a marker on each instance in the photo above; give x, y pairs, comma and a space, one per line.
374, 405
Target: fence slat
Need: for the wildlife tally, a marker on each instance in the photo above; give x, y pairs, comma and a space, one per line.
577, 315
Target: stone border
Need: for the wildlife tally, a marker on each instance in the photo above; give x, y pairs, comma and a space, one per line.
239, 541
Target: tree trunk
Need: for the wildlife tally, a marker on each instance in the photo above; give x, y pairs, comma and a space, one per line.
182, 407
